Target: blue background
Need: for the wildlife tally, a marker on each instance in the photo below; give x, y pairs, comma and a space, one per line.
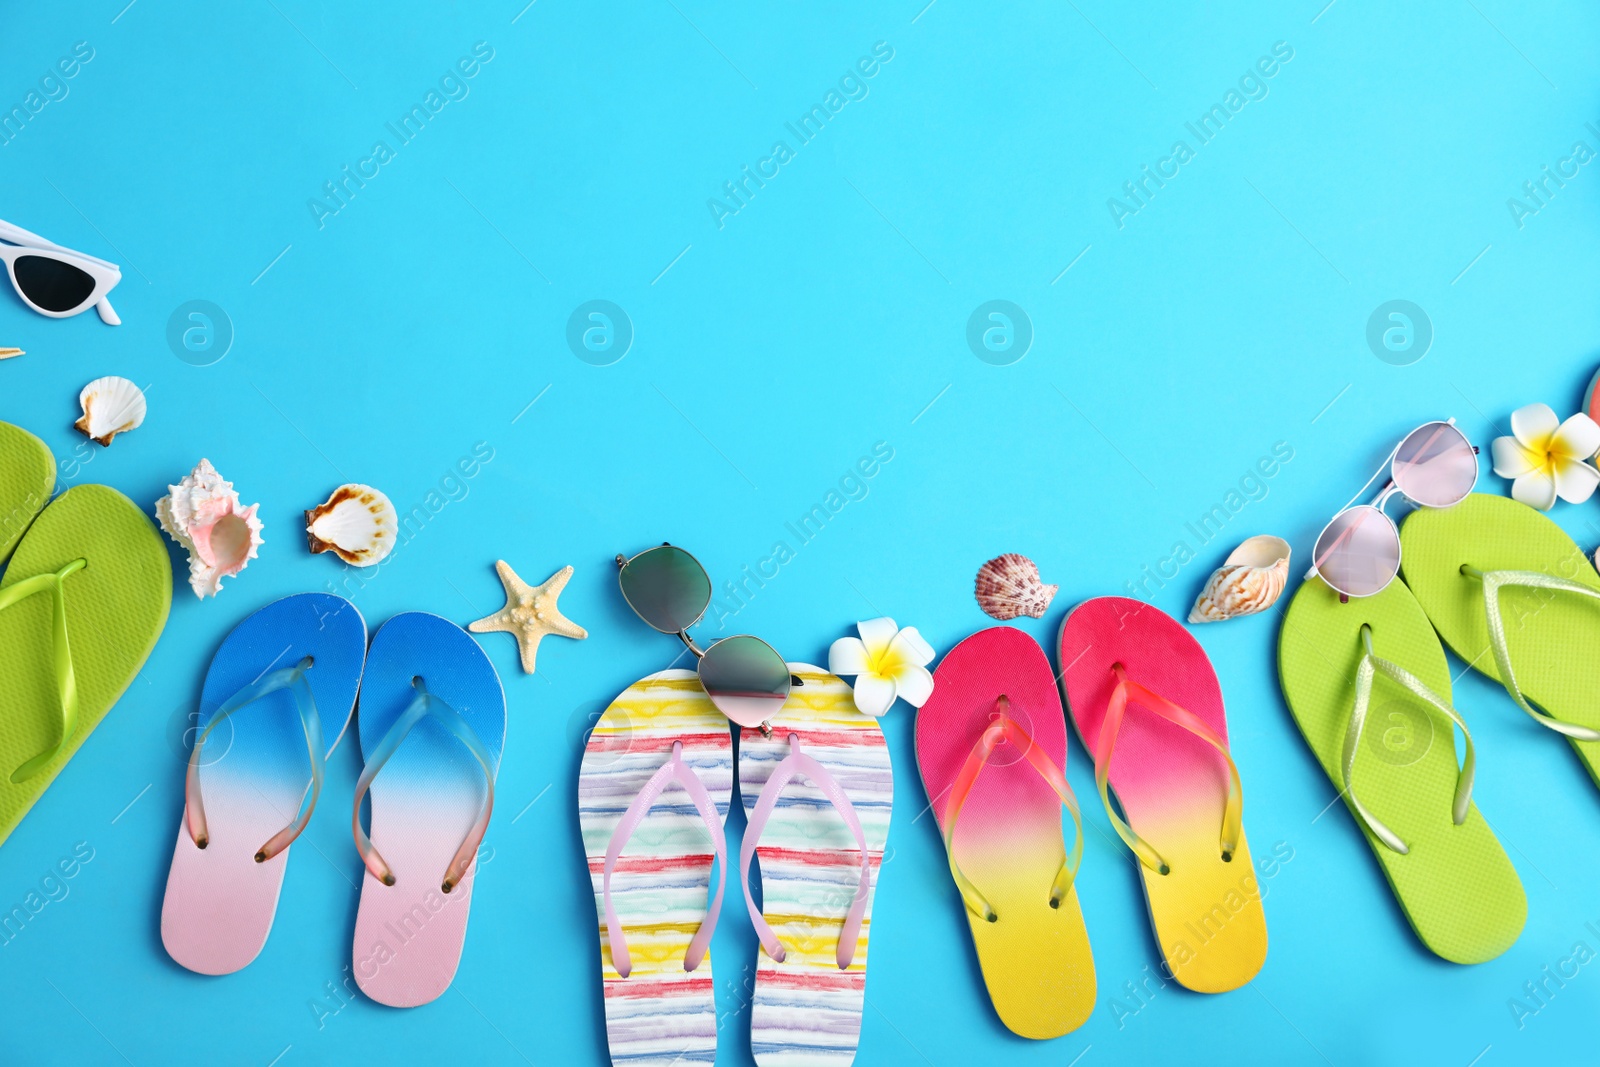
829, 313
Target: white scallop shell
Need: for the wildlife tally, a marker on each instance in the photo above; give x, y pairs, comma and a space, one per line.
1250, 580
111, 406
1009, 585
357, 523
203, 514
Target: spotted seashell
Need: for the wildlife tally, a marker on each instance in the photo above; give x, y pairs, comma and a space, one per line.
1250, 580
357, 523
1009, 586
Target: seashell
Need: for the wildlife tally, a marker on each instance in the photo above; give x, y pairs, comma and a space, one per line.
1250, 580
1009, 586
110, 406
357, 523
11, 353
203, 514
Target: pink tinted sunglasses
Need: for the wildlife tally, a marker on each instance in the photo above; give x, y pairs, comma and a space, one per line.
1358, 553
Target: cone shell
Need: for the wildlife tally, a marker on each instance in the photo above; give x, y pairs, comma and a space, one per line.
1009, 586
357, 523
110, 406
1250, 580
203, 514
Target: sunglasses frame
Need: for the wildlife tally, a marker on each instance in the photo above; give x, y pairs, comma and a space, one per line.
1388, 492
18, 243
683, 634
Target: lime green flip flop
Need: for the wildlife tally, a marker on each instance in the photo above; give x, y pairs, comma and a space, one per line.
1517, 599
81, 605
1369, 686
27, 478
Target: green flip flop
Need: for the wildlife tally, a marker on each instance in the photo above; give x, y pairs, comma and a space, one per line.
27, 478
1517, 599
1369, 686
81, 605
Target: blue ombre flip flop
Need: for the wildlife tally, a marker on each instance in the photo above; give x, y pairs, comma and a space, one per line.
433, 724
276, 701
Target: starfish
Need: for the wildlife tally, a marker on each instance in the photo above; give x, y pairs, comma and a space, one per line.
530, 612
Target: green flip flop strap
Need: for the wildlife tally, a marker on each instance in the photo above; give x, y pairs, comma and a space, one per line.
66, 679
1372, 664
1493, 581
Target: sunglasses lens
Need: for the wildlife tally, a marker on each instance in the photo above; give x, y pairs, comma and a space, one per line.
667, 587
745, 678
1359, 553
52, 284
1435, 465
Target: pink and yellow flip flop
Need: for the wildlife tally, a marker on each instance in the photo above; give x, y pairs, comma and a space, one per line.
1147, 704
991, 742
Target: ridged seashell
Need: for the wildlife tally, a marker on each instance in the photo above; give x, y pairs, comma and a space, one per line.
11, 353
203, 514
110, 406
1009, 586
357, 523
1250, 580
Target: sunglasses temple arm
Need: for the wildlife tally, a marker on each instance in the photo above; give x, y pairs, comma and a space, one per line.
18, 236
108, 314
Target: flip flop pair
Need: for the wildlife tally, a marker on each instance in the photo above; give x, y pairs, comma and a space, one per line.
1367, 681
82, 603
276, 701
991, 745
654, 789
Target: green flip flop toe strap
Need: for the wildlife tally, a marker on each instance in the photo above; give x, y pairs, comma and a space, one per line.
1493, 582
1372, 664
66, 678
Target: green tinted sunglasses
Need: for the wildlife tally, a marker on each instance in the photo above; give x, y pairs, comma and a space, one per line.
744, 676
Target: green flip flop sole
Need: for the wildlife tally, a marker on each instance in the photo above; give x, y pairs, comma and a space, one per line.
1553, 638
115, 608
1456, 886
27, 478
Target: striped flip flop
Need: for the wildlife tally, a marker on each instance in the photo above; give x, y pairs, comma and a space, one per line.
817, 793
650, 848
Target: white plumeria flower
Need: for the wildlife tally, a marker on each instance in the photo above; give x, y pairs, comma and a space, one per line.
1547, 458
887, 662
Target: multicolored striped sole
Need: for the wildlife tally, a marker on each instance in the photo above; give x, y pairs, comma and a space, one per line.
805, 1009
659, 1014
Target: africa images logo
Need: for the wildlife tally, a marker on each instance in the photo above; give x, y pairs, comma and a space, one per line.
1252, 85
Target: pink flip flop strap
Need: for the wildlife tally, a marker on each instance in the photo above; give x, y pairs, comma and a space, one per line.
1005, 728
424, 705
1111, 725
798, 763
675, 769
